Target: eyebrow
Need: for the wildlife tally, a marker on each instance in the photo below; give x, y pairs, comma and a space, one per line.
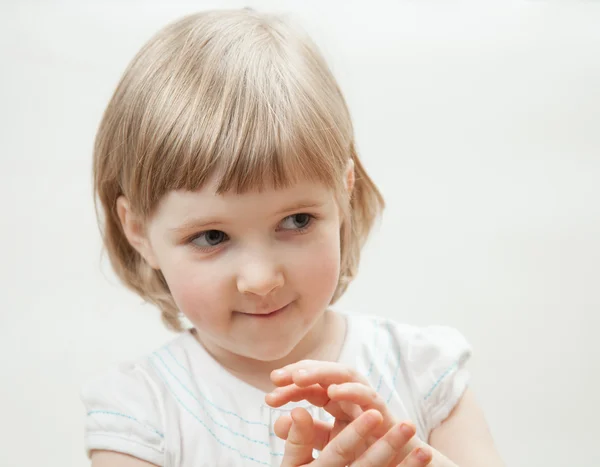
299, 206
201, 223
195, 224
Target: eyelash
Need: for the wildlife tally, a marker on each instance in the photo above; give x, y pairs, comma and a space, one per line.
299, 231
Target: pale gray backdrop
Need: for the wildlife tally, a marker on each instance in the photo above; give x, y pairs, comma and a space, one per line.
481, 124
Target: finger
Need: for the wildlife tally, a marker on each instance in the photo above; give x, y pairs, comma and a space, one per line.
283, 426
366, 397
419, 457
322, 431
385, 449
283, 375
352, 441
299, 443
315, 394
307, 372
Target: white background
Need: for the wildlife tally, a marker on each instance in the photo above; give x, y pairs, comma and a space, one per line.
481, 124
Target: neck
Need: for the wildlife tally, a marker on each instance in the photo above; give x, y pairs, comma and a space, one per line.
323, 342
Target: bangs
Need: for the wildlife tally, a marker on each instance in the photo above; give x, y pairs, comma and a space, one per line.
232, 100
246, 112
272, 138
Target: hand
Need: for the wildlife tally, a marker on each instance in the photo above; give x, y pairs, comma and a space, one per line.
345, 394
350, 447
342, 392
339, 390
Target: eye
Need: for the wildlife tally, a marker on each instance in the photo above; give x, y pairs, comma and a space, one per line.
209, 238
296, 221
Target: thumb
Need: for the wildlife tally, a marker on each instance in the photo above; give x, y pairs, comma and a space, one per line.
300, 440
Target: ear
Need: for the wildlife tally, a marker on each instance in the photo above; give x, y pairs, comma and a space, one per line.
135, 231
350, 178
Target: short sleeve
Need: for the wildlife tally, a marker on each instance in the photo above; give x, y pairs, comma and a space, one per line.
123, 414
435, 359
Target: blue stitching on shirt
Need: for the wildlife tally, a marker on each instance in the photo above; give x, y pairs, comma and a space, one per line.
225, 427
396, 373
250, 422
387, 355
242, 455
455, 365
117, 414
374, 323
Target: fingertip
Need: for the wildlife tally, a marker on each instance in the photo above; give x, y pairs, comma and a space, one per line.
410, 425
423, 454
373, 416
407, 429
277, 375
302, 378
375, 412
272, 400
299, 414
301, 427
282, 426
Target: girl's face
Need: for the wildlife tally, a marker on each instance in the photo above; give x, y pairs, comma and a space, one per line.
253, 272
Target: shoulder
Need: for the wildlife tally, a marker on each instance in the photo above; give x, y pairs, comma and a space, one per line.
123, 413
124, 408
420, 346
426, 363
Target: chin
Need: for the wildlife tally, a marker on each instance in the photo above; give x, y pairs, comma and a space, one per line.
271, 352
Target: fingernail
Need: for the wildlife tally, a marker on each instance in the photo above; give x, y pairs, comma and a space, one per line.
406, 430
278, 373
422, 455
302, 372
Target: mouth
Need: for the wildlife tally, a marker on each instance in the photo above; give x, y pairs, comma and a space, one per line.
270, 314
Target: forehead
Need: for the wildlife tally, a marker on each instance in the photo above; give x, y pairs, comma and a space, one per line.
180, 205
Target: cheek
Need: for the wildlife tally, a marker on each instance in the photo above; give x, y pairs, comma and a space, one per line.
197, 290
319, 269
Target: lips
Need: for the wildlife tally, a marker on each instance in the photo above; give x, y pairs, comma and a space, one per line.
271, 313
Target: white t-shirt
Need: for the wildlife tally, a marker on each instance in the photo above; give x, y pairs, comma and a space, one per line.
179, 408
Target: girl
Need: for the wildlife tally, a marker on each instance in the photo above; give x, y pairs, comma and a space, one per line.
232, 196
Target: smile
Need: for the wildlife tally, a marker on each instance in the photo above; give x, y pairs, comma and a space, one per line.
270, 314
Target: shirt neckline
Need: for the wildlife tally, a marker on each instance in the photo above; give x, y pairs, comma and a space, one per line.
227, 379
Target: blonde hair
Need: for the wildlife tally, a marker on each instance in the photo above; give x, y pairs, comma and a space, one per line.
237, 95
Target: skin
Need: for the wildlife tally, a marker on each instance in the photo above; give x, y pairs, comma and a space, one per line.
230, 258
263, 260
462, 439
350, 447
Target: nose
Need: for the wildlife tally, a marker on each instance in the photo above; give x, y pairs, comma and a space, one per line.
260, 277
